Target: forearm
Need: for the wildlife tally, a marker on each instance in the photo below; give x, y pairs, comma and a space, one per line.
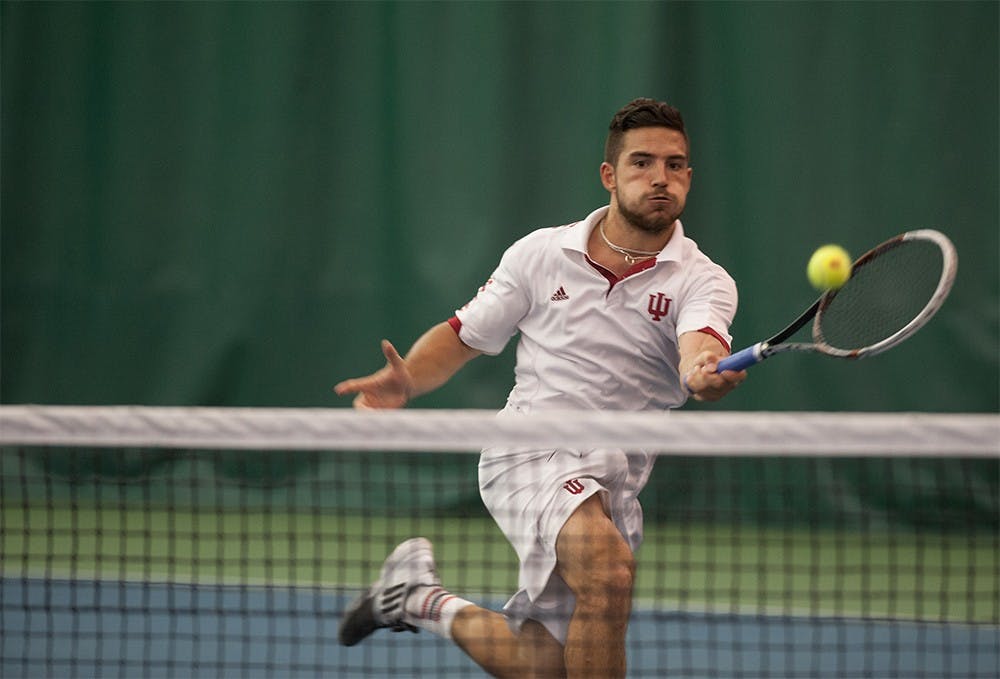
435, 357
699, 353
693, 346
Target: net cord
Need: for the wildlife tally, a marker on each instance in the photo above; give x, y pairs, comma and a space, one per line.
442, 430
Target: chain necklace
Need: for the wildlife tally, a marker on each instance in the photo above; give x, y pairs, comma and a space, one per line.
631, 256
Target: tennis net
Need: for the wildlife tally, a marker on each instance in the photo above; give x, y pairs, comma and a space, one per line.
166, 542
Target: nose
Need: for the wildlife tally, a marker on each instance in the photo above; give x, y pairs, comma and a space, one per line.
661, 176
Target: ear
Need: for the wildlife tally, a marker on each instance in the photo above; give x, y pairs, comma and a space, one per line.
608, 176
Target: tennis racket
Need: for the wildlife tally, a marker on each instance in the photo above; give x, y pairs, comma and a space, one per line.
894, 289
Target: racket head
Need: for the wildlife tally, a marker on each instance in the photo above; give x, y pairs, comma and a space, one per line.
894, 290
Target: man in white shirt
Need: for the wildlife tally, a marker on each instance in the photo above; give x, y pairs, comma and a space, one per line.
619, 311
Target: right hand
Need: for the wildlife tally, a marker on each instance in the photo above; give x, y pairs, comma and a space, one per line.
390, 387
705, 383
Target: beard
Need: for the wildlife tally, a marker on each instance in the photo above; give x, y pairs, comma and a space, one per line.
655, 222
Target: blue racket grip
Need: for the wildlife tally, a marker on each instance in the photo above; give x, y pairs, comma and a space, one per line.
742, 359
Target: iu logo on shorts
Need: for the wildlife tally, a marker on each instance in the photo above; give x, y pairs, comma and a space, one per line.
659, 305
573, 486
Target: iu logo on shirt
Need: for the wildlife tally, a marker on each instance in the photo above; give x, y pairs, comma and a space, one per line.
573, 486
659, 305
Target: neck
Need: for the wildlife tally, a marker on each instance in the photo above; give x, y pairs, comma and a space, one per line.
621, 232
614, 256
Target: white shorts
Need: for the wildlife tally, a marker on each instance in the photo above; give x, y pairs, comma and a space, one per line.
531, 494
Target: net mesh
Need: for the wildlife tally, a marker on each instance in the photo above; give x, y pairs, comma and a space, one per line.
160, 559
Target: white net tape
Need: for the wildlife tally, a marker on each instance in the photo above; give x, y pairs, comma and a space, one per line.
687, 433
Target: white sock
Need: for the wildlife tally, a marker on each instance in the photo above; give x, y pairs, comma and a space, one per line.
433, 608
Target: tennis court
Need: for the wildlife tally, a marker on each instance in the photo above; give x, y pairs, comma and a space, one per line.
126, 590
158, 630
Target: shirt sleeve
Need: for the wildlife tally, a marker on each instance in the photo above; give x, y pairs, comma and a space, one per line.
709, 305
492, 317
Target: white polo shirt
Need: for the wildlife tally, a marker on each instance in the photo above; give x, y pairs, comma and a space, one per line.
588, 339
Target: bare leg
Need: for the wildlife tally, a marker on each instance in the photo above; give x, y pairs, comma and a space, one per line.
486, 638
597, 564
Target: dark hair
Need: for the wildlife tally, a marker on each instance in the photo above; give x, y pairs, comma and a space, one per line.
637, 113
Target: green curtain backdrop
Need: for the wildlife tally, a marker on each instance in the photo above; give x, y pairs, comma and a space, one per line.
231, 203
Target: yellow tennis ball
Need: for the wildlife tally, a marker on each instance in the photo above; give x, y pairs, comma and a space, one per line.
829, 267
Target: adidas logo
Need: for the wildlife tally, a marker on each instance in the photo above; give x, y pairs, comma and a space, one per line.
393, 598
559, 295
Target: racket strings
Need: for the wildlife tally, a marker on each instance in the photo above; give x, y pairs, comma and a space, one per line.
886, 292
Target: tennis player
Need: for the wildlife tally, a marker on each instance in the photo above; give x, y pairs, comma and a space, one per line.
617, 311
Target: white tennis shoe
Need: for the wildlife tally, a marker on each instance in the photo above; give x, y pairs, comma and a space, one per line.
409, 566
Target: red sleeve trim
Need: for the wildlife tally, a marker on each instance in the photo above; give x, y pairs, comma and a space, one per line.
709, 331
455, 324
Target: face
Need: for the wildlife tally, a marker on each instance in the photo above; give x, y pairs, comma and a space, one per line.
649, 182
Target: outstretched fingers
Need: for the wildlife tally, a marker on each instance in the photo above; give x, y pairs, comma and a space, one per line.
391, 355
388, 387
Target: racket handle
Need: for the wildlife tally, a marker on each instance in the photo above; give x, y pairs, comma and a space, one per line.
742, 359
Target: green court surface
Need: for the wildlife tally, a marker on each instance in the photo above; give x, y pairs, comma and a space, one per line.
695, 567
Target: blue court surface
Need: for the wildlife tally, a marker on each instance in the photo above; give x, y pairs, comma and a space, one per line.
58, 628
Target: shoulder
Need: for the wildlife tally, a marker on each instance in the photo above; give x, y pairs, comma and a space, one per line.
540, 242
696, 260
700, 269
555, 239
544, 236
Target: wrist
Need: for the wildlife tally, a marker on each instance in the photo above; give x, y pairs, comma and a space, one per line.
687, 385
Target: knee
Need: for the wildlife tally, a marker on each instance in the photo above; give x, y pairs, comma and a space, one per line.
594, 560
618, 574
609, 579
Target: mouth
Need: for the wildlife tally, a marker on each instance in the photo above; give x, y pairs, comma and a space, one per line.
661, 200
